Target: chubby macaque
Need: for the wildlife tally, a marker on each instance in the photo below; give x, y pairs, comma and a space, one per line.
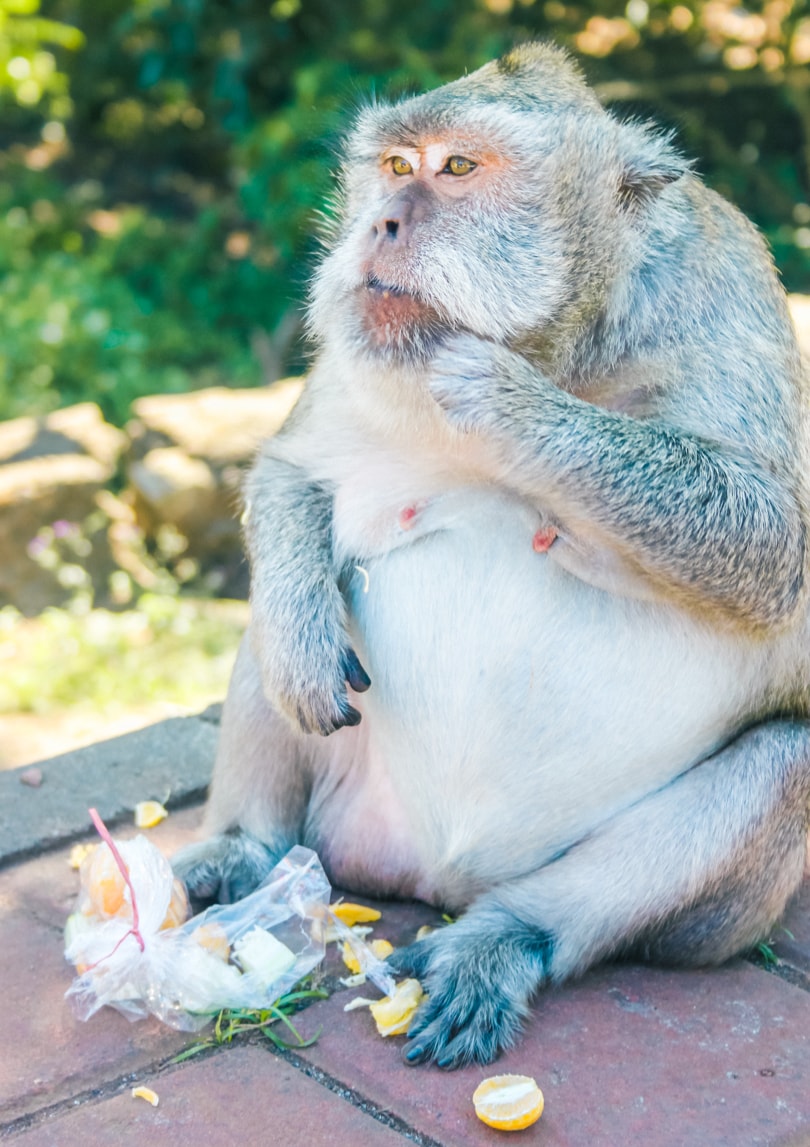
529, 629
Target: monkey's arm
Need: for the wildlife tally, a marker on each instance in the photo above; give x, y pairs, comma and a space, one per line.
298, 613
710, 526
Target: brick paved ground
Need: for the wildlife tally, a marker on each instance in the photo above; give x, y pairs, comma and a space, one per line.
626, 1057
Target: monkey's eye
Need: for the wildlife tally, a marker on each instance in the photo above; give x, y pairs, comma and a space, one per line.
458, 165
400, 166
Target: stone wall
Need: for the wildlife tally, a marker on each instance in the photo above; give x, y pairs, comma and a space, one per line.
83, 503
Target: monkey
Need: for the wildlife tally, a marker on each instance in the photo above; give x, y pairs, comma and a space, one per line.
529, 627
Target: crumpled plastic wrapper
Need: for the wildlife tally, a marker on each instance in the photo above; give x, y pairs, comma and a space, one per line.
240, 956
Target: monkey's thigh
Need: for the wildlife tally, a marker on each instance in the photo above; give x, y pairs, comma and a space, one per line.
258, 797
692, 874
752, 832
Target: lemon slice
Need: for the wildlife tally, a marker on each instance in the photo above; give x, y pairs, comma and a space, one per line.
508, 1102
149, 813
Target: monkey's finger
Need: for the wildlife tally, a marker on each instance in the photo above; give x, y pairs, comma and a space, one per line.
351, 716
354, 672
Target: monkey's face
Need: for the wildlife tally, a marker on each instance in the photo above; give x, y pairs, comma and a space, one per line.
508, 204
460, 215
441, 232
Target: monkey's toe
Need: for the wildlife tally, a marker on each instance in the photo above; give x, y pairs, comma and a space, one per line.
472, 1027
412, 960
224, 868
477, 989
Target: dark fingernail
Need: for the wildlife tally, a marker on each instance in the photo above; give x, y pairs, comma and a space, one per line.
351, 716
447, 1062
414, 1054
355, 673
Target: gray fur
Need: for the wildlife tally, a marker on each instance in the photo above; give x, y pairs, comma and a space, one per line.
583, 749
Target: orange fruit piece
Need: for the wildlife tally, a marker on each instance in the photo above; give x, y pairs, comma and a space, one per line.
179, 909
393, 1014
146, 1093
104, 883
508, 1102
352, 914
213, 938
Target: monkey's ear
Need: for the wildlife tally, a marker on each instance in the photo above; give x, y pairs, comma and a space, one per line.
650, 163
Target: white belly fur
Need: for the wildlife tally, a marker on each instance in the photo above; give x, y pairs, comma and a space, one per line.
510, 698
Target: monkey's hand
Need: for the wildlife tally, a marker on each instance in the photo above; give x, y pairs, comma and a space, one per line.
298, 615
305, 676
472, 380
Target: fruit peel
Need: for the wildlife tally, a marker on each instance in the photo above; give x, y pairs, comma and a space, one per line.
393, 1014
352, 914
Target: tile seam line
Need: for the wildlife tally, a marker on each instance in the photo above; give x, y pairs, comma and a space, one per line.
788, 973
109, 1089
356, 1098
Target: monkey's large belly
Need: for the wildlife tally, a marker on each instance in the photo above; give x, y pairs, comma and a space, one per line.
513, 707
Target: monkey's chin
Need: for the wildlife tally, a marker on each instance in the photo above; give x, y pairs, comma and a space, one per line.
396, 325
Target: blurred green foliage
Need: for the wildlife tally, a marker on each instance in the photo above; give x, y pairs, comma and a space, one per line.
165, 650
159, 190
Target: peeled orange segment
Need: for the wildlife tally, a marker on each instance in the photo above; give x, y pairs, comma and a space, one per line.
149, 813
508, 1102
213, 938
105, 884
179, 909
393, 1014
352, 914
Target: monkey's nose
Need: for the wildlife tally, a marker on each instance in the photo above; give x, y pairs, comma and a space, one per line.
394, 227
386, 229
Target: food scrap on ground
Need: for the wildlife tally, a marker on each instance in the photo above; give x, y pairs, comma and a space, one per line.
508, 1102
146, 1093
393, 1014
149, 813
78, 853
352, 914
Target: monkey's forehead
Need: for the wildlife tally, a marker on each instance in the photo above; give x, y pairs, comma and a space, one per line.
506, 97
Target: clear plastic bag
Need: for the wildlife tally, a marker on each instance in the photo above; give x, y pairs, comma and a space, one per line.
243, 955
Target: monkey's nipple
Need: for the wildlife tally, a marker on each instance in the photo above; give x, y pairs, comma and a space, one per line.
407, 518
544, 539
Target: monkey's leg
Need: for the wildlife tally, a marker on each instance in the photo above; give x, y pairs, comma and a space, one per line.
259, 793
692, 874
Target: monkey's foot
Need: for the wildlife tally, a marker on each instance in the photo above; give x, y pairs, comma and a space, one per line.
479, 975
223, 868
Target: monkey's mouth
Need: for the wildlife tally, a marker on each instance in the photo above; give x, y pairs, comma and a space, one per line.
394, 318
